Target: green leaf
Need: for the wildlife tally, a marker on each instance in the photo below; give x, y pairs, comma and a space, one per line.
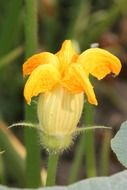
10, 25
115, 182
119, 144
10, 57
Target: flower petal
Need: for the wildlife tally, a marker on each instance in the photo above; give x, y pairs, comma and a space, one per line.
38, 59
66, 55
99, 62
42, 79
76, 81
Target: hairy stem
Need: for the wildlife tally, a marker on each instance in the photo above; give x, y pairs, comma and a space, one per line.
33, 178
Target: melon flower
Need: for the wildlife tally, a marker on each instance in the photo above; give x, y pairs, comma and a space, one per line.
61, 80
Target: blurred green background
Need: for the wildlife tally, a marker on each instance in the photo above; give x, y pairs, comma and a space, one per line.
85, 22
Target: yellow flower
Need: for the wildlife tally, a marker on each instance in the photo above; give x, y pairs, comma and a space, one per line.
69, 70
61, 80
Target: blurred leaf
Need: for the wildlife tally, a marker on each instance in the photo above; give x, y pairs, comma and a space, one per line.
119, 144
99, 22
11, 99
10, 77
14, 155
2, 170
11, 56
115, 182
80, 11
10, 25
49, 23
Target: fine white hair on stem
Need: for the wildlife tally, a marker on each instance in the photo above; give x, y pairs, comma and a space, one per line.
22, 124
25, 124
83, 129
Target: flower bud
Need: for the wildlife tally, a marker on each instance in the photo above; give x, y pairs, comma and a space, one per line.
59, 112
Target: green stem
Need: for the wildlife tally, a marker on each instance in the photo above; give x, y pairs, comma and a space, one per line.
52, 168
86, 140
77, 160
105, 153
89, 143
33, 178
31, 27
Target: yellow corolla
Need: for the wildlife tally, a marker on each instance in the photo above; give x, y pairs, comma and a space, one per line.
61, 80
69, 70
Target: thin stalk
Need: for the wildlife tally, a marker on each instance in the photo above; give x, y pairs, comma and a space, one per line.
31, 27
86, 140
105, 154
89, 143
52, 168
33, 178
75, 168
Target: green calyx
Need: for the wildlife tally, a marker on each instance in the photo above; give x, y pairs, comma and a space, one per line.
56, 143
